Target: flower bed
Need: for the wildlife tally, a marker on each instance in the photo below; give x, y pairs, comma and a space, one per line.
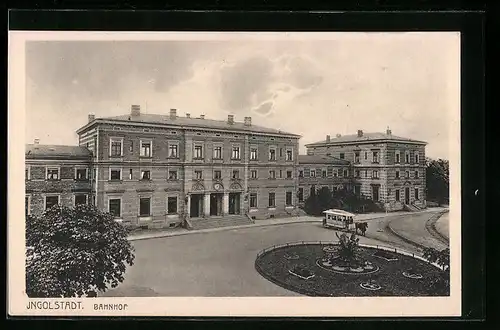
307, 277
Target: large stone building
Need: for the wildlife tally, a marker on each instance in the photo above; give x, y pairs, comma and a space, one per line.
388, 169
164, 170
167, 170
56, 175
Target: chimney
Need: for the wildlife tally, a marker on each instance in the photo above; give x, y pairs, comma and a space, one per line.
173, 113
135, 110
389, 132
328, 138
248, 121
360, 133
37, 141
230, 119
338, 135
188, 115
202, 116
91, 117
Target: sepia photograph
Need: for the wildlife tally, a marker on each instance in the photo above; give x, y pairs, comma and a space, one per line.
235, 173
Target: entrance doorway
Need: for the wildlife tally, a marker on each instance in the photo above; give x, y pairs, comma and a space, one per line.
407, 195
375, 193
234, 203
216, 204
196, 208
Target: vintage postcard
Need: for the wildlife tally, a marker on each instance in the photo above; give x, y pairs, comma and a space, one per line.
234, 174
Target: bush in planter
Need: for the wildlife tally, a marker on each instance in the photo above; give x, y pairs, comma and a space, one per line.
75, 252
347, 251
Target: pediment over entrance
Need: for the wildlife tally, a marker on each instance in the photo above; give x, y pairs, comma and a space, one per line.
235, 186
198, 187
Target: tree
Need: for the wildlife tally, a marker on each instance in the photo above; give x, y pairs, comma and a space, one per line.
75, 252
438, 180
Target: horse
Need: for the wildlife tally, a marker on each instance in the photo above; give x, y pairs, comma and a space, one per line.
362, 226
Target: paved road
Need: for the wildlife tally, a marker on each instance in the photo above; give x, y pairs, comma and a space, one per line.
212, 264
413, 228
443, 225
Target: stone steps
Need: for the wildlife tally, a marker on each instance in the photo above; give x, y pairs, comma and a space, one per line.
209, 223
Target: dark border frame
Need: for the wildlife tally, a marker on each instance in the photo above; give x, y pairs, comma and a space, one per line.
471, 24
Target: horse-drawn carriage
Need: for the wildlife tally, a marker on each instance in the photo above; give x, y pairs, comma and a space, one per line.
343, 220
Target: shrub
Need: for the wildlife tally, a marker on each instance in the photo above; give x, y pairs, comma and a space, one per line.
74, 252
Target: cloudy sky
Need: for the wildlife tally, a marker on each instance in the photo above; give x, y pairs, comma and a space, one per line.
311, 87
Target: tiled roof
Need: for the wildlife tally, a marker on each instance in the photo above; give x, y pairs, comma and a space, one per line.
317, 159
43, 150
365, 138
196, 122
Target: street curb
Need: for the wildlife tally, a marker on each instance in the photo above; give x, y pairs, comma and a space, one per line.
203, 231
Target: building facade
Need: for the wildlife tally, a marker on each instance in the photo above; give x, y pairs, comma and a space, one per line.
386, 168
56, 175
162, 171
318, 171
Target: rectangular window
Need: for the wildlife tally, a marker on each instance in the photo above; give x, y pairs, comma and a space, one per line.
288, 198
397, 174
339, 172
146, 149
115, 174
281, 152
323, 173
235, 154
416, 174
356, 157
398, 157
253, 174
407, 174
26, 173
53, 173
375, 174
417, 158
130, 174
131, 147
342, 155
416, 193
272, 174
346, 173
313, 173
198, 175
301, 194
95, 174
115, 207
80, 200
357, 173
236, 174
217, 152
366, 155
173, 151
51, 201
407, 157
172, 175
198, 152
171, 205
397, 195
253, 154
145, 175
145, 207
272, 154
289, 155
116, 148
288, 174
301, 174
272, 199
217, 175
281, 174
375, 157
253, 200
